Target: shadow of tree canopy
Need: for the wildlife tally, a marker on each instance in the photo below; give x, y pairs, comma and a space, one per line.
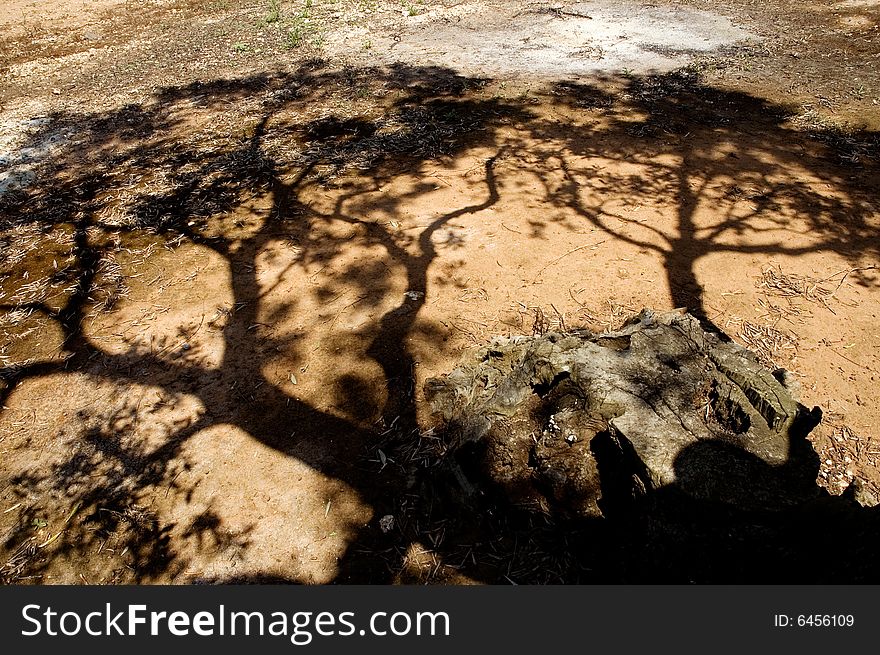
143, 175
716, 138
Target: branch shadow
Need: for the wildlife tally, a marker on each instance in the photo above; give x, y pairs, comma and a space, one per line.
691, 140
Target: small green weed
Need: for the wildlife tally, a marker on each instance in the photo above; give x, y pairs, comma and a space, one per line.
273, 14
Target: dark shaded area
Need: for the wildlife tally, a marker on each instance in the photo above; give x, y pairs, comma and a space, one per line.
504, 534
426, 114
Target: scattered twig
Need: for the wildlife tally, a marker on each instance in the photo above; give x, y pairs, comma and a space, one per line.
564, 255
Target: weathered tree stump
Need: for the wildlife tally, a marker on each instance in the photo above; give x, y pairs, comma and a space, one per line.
592, 422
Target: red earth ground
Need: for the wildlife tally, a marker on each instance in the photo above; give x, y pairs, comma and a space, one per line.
236, 243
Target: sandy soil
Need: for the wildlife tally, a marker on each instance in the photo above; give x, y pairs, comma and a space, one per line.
235, 244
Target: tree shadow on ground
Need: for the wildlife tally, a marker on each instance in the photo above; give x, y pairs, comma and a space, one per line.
706, 146
143, 175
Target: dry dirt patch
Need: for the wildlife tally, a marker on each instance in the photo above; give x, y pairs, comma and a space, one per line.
223, 293
545, 39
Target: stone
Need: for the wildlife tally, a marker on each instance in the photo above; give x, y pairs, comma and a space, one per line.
591, 423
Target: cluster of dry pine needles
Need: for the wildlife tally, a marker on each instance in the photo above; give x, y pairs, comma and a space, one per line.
768, 340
